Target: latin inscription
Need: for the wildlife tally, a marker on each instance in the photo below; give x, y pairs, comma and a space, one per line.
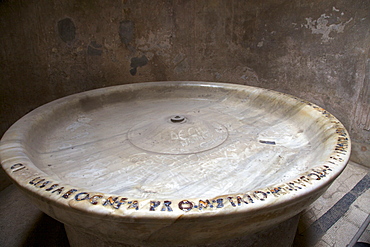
185, 205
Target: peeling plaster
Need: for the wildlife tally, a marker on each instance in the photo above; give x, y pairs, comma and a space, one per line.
320, 26
159, 43
248, 74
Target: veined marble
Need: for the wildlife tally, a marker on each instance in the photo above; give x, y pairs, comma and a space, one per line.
166, 163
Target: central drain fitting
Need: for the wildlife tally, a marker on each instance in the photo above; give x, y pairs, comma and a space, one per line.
178, 119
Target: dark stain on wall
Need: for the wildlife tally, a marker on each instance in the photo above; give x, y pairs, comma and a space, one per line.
126, 31
94, 49
137, 62
66, 30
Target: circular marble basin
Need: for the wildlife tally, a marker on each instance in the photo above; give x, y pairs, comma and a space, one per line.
174, 163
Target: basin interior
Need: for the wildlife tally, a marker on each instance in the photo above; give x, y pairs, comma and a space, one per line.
177, 140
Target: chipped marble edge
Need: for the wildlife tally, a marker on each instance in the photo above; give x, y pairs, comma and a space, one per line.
25, 174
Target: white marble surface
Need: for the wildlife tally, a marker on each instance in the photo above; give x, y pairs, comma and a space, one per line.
118, 160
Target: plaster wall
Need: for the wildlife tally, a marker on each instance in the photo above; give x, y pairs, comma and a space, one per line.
316, 50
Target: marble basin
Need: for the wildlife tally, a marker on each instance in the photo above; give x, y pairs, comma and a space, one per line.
174, 163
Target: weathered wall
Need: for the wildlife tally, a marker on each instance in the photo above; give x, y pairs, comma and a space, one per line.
317, 50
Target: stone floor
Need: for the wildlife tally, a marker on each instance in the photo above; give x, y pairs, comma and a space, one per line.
332, 220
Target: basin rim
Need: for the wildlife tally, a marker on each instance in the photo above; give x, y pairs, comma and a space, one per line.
15, 160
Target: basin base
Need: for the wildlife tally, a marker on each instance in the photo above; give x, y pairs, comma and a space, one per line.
281, 235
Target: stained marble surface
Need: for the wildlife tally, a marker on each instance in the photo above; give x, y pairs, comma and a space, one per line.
153, 158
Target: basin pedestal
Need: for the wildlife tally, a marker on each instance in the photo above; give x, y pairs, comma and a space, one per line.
280, 235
